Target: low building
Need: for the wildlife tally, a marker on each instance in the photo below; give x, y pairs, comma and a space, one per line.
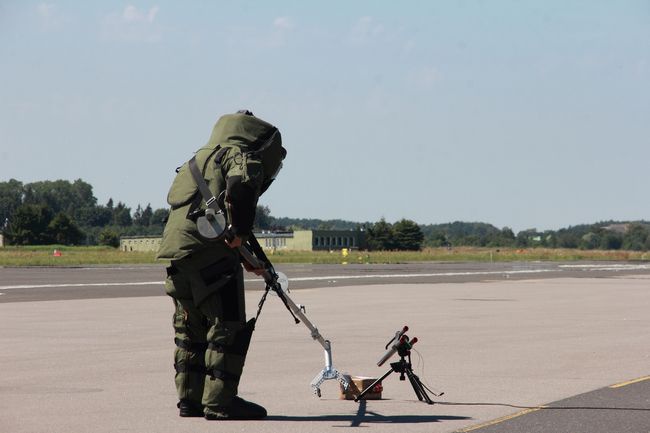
313, 240
298, 240
617, 228
140, 243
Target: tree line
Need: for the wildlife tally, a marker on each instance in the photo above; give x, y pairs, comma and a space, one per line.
381, 235
65, 212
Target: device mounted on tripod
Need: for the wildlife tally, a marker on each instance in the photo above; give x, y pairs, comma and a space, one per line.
402, 345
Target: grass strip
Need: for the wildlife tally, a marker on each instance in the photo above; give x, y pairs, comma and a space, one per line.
88, 256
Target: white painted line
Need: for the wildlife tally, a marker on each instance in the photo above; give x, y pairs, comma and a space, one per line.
325, 278
607, 267
45, 286
438, 274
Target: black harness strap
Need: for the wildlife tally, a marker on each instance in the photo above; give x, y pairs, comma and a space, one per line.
223, 375
231, 350
185, 368
190, 346
210, 199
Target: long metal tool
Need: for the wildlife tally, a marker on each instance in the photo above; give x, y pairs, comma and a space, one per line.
274, 281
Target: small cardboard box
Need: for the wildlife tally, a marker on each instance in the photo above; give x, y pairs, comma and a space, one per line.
357, 385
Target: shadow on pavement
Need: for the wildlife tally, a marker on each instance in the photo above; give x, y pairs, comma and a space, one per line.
362, 417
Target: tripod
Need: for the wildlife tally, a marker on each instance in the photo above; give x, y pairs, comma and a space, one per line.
405, 369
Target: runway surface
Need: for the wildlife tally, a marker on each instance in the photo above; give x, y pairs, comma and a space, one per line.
516, 347
47, 284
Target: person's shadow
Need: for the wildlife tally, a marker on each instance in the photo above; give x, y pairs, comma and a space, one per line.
363, 416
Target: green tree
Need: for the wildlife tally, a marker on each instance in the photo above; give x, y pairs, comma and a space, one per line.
95, 216
142, 217
508, 235
549, 239
523, 239
11, 197
159, 217
29, 225
63, 230
437, 239
263, 218
529, 238
407, 235
380, 236
502, 238
122, 215
60, 195
611, 241
567, 239
109, 237
147, 214
636, 237
590, 241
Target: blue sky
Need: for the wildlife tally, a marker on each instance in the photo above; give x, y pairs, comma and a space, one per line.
519, 114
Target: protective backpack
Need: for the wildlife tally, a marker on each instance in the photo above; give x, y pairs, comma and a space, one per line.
197, 215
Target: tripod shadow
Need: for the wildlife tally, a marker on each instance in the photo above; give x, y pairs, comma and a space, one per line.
364, 416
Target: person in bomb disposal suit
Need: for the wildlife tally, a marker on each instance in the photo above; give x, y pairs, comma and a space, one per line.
205, 278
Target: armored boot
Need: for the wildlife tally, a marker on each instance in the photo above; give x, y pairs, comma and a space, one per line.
224, 360
238, 409
188, 408
189, 360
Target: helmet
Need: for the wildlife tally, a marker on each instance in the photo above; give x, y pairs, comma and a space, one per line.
255, 137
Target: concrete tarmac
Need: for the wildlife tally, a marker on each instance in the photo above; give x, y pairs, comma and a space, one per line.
60, 283
495, 347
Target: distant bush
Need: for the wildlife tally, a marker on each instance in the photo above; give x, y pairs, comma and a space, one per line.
108, 237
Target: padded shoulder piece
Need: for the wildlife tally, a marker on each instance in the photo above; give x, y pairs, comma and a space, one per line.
183, 188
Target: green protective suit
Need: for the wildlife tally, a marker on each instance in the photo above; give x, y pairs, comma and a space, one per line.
205, 278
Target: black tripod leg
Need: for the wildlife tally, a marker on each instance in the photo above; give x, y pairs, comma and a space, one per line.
372, 385
418, 387
415, 386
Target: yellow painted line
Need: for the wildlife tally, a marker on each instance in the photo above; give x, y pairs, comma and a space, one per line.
630, 382
500, 420
535, 409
